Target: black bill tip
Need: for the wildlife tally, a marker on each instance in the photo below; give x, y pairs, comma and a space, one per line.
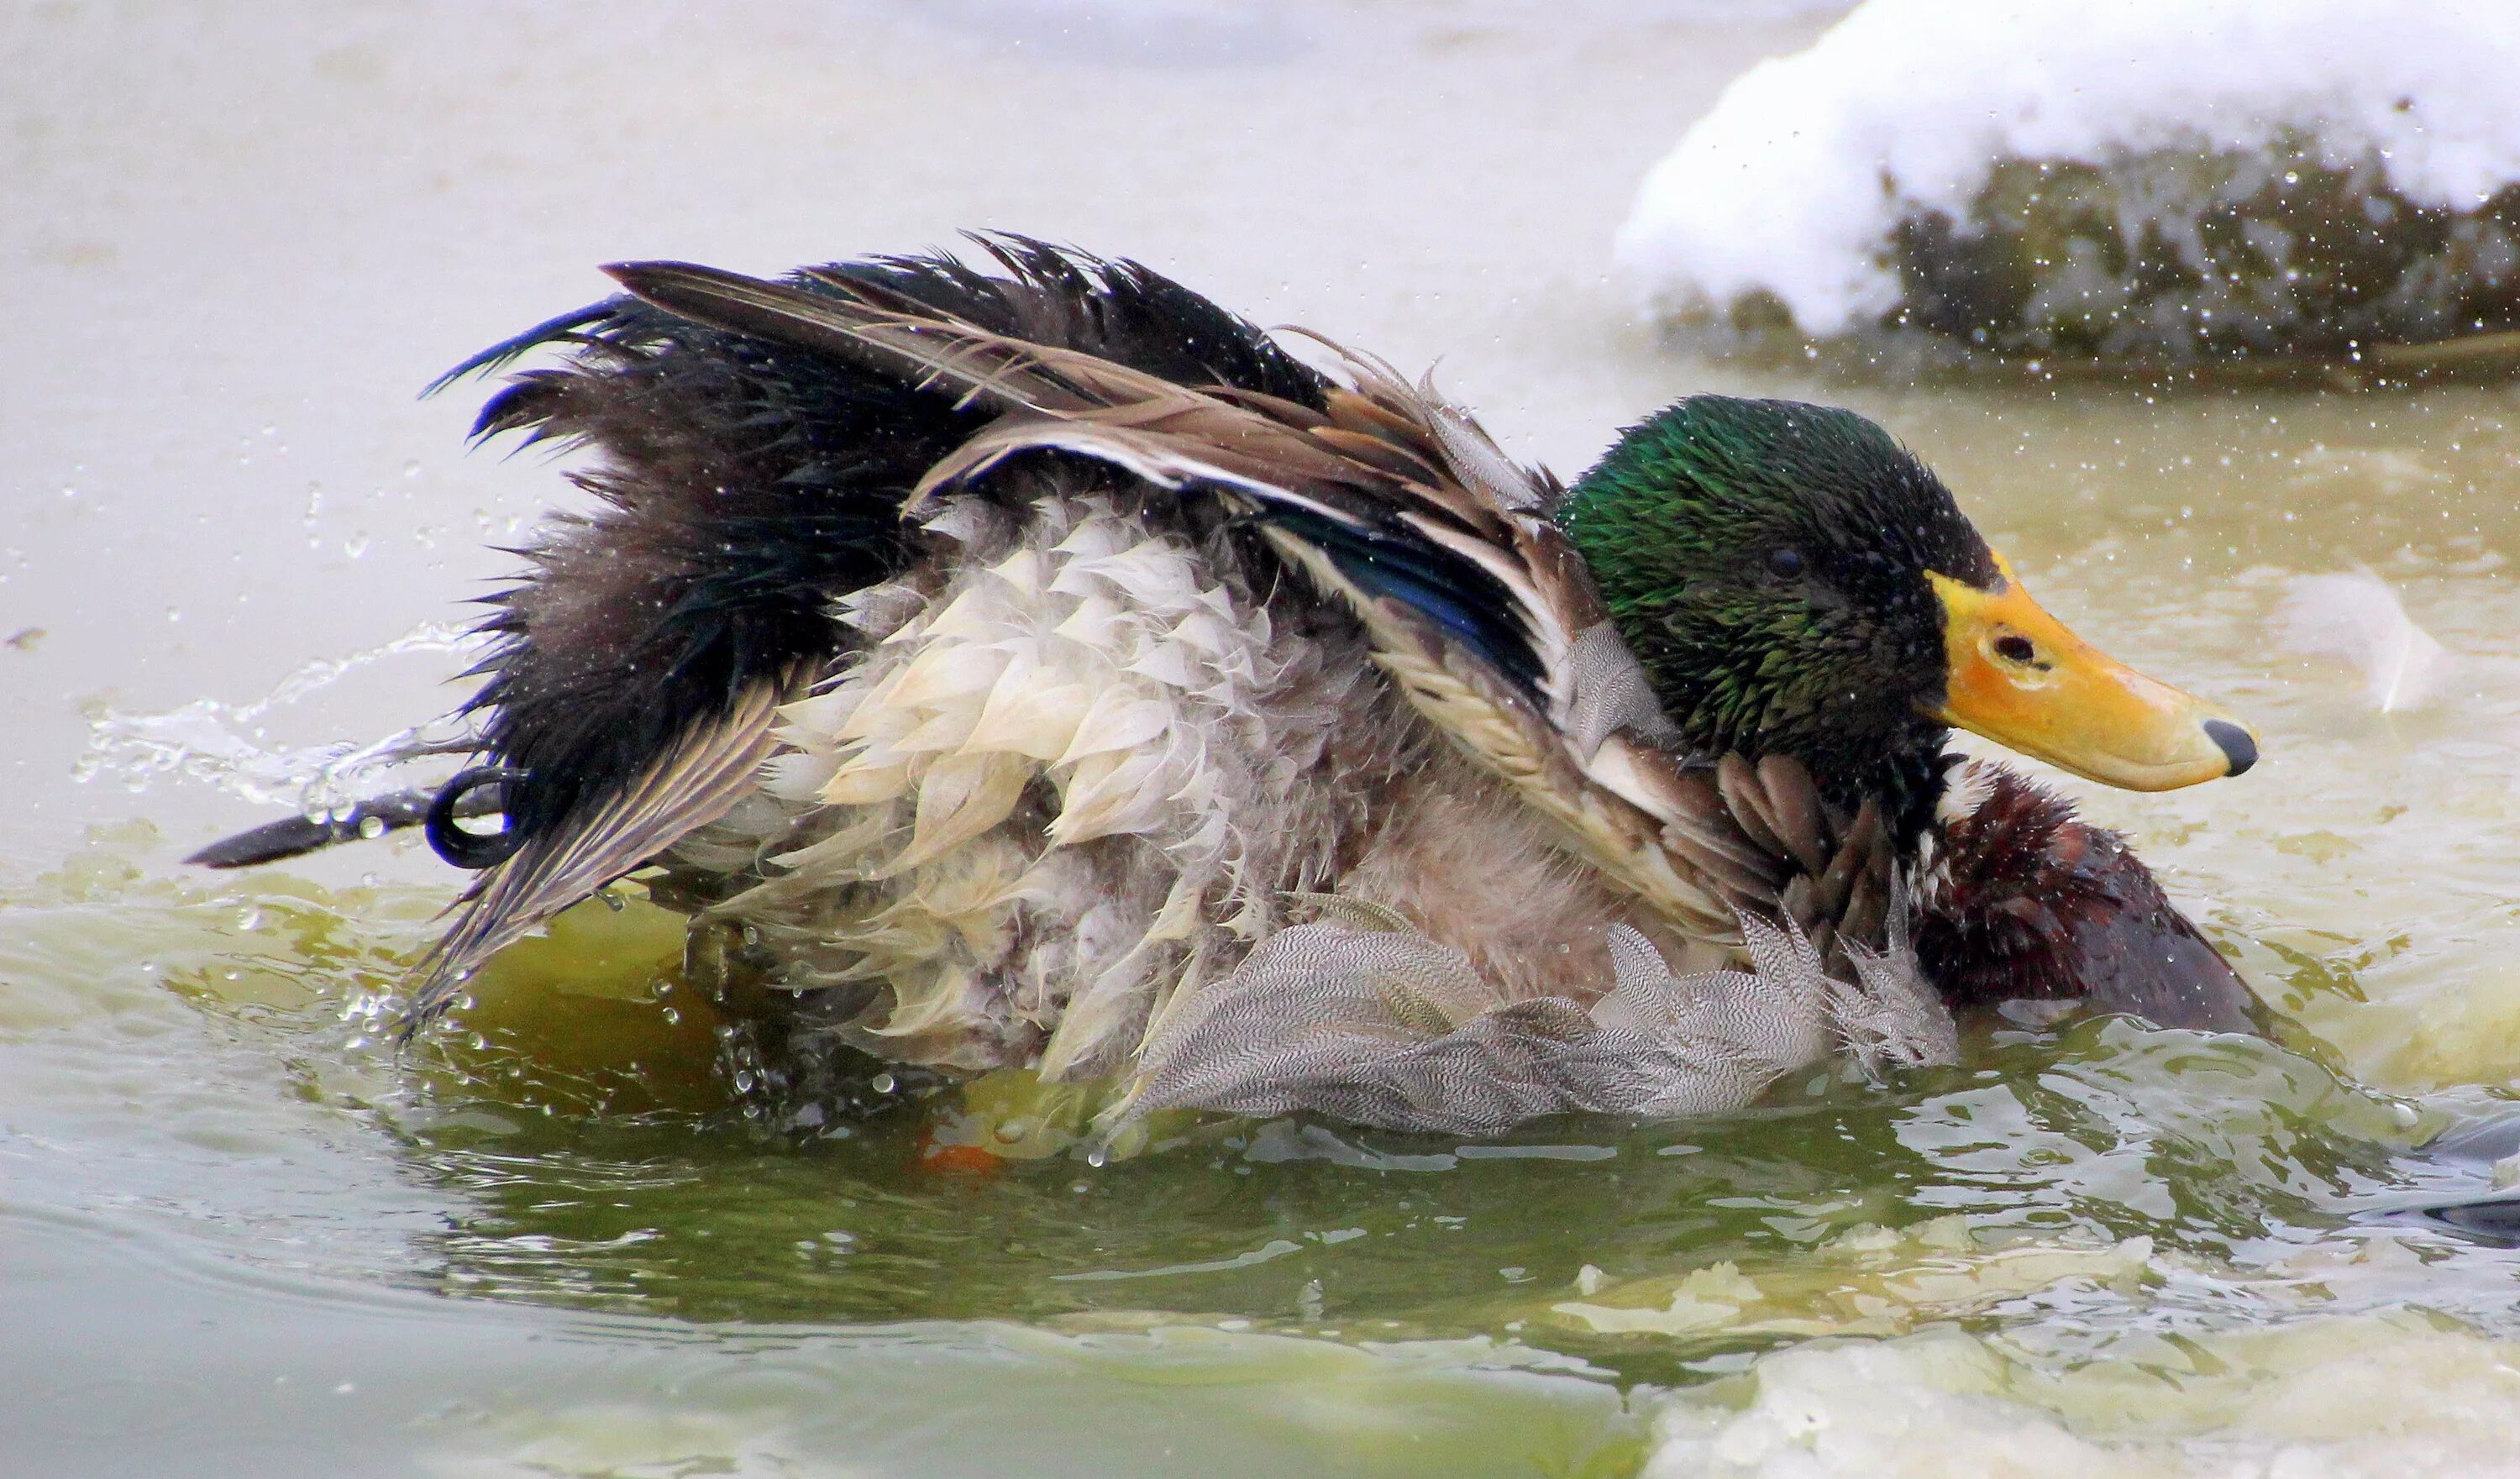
2237, 745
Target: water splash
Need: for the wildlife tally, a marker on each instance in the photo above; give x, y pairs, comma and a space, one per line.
227, 744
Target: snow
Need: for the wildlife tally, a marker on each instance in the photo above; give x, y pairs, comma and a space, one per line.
1795, 181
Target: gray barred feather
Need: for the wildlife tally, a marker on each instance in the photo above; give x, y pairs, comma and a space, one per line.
1388, 1028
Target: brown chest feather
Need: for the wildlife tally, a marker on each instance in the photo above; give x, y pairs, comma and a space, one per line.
2037, 903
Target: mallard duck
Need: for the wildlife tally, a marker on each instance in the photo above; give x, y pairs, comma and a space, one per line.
1035, 665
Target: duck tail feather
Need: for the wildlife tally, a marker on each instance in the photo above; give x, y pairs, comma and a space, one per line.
705, 772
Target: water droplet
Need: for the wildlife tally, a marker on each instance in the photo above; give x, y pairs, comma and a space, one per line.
883, 1082
672, 1017
249, 917
1097, 1156
175, 614
356, 545
411, 469
743, 1080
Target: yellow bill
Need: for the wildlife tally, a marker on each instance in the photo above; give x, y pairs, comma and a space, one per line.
2022, 680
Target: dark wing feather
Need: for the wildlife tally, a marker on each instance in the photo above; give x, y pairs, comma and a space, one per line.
556, 329
1342, 489
1121, 311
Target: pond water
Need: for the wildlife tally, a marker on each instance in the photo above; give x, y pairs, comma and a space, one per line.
244, 1234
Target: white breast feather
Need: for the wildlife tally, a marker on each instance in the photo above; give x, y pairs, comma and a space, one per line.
1099, 671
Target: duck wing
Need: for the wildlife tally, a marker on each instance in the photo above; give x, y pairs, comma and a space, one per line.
1397, 502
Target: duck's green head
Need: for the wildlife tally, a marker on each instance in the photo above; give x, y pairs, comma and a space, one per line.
1794, 581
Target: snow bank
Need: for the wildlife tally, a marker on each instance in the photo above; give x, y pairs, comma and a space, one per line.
2138, 177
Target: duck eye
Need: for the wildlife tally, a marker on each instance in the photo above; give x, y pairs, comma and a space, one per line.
1784, 564
2014, 648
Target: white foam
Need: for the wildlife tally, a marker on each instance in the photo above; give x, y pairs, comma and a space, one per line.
1794, 181
230, 745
